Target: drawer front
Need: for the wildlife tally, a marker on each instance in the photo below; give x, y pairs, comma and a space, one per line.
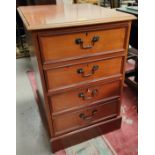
83, 72
58, 47
84, 96
71, 121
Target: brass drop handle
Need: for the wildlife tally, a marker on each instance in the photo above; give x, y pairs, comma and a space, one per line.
89, 117
80, 42
82, 72
93, 94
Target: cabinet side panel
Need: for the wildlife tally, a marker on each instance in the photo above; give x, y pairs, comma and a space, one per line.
126, 46
39, 76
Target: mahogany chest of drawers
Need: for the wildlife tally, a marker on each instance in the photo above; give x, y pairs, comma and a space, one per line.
78, 54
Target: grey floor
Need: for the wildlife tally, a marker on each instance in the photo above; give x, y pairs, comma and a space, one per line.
30, 134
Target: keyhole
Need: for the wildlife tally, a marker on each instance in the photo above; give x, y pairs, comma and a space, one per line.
88, 91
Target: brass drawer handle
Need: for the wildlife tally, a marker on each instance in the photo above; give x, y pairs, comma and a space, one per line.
93, 94
82, 72
89, 117
80, 42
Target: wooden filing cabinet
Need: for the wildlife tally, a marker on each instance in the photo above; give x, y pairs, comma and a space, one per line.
79, 62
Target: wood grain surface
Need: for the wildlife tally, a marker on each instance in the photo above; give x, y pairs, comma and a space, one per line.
56, 16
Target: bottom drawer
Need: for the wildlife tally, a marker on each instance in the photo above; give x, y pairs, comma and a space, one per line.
84, 134
74, 120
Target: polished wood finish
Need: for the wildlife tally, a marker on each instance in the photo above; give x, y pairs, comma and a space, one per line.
76, 137
132, 52
56, 16
78, 119
106, 68
104, 91
59, 47
78, 53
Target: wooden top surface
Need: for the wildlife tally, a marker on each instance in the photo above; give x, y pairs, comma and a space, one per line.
54, 16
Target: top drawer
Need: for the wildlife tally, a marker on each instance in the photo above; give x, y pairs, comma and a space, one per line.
77, 45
